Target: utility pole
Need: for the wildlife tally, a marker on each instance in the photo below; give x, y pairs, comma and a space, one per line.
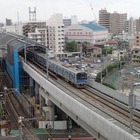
47, 61
81, 55
132, 102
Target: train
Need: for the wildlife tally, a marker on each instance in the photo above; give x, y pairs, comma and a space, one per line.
69, 73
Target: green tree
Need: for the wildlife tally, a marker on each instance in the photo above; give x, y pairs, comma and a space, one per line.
71, 46
139, 59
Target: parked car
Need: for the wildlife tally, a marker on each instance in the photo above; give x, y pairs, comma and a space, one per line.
98, 61
91, 65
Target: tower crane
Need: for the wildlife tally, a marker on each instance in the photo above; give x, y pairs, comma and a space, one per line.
95, 19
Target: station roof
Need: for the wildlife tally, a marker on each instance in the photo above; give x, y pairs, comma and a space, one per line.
13, 42
94, 27
16, 41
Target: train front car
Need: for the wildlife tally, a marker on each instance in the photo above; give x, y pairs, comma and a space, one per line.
81, 79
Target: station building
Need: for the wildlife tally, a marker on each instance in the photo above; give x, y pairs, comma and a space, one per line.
90, 33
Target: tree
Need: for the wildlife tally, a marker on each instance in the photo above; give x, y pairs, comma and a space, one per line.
71, 46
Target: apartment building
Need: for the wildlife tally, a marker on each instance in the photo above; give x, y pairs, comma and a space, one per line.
138, 25
39, 35
135, 55
30, 27
49, 33
122, 20
135, 51
137, 40
55, 35
104, 19
114, 22
130, 26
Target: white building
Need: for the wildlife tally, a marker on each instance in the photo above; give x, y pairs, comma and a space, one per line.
49, 33
40, 36
17, 29
74, 20
70, 21
55, 38
91, 33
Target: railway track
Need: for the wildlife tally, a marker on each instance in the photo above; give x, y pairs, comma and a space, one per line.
111, 109
15, 112
116, 113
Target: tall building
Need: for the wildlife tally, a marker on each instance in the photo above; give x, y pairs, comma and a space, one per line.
8, 22
55, 37
130, 26
104, 19
138, 25
122, 20
114, 22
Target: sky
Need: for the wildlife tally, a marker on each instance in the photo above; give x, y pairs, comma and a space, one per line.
12, 9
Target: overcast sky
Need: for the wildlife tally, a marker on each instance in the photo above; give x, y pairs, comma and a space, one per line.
81, 8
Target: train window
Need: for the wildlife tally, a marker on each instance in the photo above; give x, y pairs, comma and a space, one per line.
82, 76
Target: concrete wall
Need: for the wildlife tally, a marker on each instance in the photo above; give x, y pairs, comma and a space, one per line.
84, 113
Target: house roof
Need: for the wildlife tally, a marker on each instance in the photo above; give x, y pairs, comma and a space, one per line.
94, 27
135, 48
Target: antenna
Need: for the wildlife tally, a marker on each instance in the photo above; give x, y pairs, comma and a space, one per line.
32, 14
17, 22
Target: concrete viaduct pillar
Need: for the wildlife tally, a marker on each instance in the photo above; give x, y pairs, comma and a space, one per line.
46, 105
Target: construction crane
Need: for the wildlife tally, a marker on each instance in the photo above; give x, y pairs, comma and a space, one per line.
95, 19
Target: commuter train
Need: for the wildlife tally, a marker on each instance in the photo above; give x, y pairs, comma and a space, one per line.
71, 74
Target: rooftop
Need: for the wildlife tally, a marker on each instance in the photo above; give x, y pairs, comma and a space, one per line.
94, 27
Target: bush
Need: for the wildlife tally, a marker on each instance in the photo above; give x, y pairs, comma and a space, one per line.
108, 85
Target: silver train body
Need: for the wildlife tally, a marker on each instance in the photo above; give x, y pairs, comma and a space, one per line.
71, 74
